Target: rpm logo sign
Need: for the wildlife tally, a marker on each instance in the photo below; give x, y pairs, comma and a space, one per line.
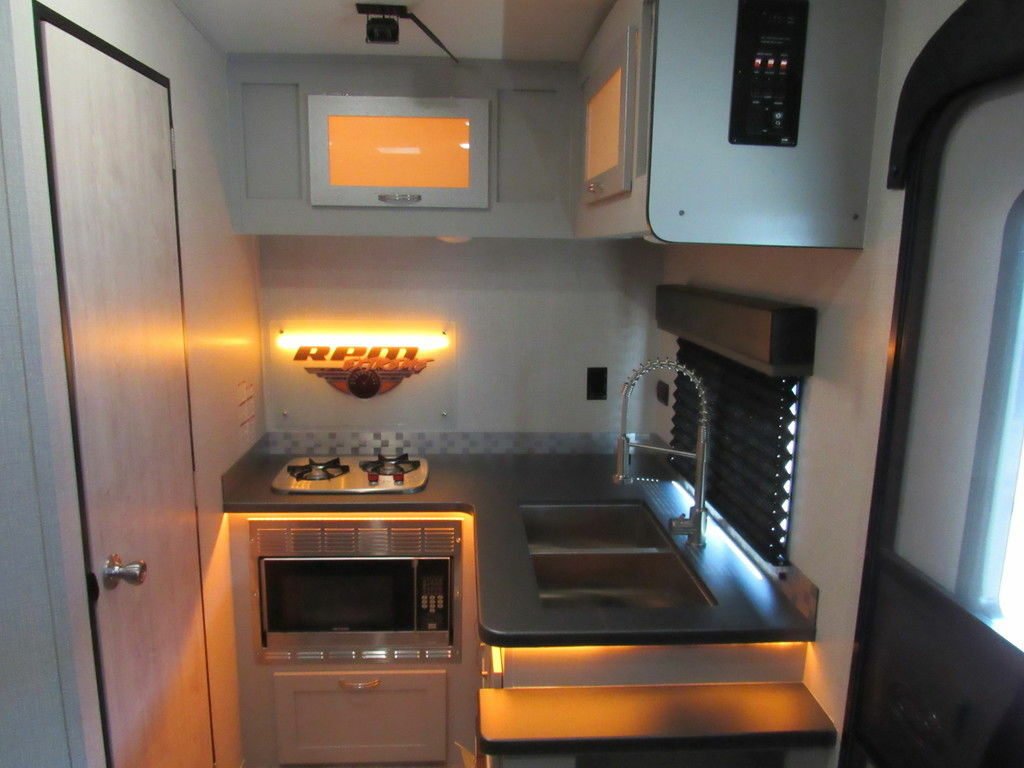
362, 371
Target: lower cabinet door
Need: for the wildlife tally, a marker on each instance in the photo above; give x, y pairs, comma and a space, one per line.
360, 717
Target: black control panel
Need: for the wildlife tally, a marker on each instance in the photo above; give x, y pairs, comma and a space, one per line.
433, 597
771, 36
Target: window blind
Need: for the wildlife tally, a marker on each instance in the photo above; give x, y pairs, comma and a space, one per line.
751, 461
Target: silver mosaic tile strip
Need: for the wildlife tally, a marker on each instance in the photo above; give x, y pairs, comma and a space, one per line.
371, 443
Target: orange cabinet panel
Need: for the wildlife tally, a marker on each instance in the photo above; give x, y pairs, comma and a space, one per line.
398, 151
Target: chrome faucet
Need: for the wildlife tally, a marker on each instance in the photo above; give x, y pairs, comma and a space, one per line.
694, 525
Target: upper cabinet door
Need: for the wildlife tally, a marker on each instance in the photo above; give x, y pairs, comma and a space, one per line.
398, 151
609, 95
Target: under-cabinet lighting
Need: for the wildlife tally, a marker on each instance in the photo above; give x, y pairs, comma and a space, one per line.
363, 365
743, 556
714, 531
425, 342
554, 651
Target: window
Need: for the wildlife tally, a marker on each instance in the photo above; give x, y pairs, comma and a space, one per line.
1011, 588
991, 572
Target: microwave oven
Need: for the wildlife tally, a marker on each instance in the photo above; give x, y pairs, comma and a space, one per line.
352, 589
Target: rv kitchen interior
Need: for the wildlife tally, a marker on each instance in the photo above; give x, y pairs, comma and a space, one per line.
512, 383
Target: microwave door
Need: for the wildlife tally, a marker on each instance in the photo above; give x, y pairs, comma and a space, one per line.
320, 594
340, 603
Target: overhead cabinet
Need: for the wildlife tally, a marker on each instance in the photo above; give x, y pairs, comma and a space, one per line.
609, 104
382, 145
759, 116
615, 83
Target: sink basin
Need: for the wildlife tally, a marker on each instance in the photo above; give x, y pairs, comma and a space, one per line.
628, 580
574, 527
607, 556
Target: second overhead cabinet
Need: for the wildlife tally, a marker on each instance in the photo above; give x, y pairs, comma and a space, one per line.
714, 89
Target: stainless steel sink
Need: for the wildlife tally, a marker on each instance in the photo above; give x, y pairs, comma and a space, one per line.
602, 580
607, 556
590, 527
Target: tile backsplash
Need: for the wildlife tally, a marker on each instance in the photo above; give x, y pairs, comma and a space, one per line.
341, 443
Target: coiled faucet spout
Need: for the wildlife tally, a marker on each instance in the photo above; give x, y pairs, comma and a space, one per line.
694, 525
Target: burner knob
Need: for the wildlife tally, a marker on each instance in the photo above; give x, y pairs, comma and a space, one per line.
399, 478
373, 478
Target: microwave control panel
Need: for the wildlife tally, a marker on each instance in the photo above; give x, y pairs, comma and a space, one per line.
771, 36
432, 609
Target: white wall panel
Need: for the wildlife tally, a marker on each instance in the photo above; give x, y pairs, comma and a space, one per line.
530, 317
29, 671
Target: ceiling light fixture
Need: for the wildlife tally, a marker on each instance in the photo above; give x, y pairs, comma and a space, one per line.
382, 24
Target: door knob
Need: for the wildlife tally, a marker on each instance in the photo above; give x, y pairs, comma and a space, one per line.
117, 570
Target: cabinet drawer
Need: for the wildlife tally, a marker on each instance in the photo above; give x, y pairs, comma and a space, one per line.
360, 717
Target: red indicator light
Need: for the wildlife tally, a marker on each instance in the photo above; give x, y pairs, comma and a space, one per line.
757, 63
771, 64
783, 65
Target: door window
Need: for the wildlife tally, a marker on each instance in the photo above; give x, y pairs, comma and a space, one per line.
963, 464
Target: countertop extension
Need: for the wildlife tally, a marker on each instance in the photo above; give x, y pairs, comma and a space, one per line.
749, 607
525, 721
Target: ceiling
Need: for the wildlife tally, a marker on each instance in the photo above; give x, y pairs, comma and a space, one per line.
537, 30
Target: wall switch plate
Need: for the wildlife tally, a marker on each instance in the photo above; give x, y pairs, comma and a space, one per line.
597, 383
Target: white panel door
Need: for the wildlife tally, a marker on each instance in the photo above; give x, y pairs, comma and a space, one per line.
330, 718
110, 144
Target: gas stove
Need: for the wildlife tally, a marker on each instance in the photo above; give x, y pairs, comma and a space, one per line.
352, 474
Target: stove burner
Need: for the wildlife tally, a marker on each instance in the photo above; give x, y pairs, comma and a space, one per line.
318, 469
390, 465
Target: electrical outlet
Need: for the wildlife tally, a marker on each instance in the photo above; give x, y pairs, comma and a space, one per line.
597, 383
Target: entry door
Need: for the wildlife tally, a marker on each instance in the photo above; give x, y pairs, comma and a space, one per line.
942, 676
109, 141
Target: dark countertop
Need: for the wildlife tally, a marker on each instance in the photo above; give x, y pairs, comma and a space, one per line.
749, 608
532, 721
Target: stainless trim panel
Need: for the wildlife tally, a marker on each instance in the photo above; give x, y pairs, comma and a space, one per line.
354, 539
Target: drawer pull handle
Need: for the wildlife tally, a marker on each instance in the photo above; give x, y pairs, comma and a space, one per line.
393, 198
363, 686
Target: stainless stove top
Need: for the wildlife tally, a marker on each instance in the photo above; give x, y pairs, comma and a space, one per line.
352, 474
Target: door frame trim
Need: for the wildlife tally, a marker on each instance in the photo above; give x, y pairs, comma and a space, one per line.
978, 46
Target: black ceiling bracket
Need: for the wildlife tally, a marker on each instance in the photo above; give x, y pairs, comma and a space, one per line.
381, 26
